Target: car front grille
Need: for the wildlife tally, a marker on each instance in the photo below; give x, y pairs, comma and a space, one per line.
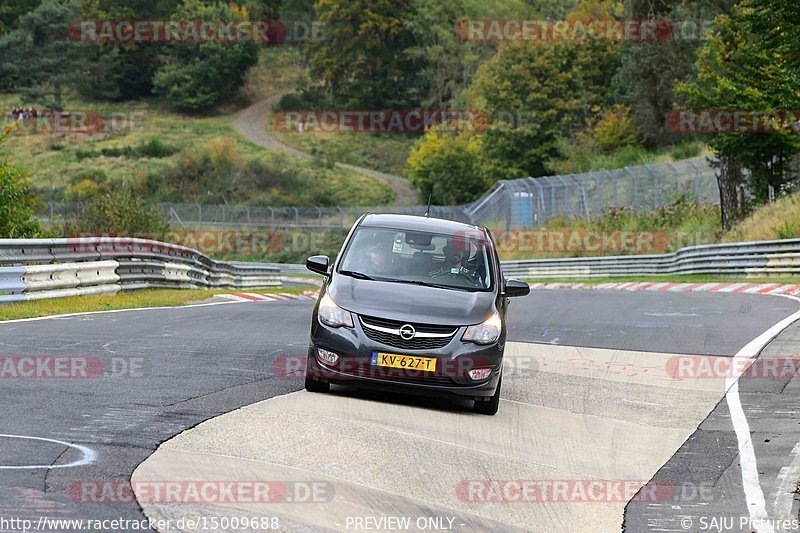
428, 336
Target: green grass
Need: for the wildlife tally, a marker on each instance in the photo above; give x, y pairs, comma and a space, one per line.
126, 300
583, 159
386, 152
673, 278
670, 227
777, 220
52, 160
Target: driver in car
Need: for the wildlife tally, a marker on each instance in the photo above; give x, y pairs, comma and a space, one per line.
379, 261
454, 253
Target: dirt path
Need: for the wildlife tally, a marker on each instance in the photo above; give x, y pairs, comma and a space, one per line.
250, 122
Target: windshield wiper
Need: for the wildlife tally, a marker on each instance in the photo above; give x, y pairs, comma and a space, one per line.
436, 285
357, 275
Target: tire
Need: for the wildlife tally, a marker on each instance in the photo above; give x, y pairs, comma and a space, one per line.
490, 406
313, 385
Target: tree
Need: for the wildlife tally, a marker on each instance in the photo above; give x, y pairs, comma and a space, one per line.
750, 64
363, 63
12, 10
449, 167
125, 70
649, 70
446, 63
200, 75
39, 57
546, 90
17, 203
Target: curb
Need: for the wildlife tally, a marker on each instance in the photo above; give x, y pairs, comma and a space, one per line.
268, 297
747, 288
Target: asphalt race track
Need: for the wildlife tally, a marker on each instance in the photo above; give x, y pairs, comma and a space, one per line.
589, 394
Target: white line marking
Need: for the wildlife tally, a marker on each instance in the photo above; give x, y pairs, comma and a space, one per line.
89, 455
787, 481
754, 494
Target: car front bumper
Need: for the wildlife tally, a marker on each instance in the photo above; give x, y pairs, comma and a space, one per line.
454, 360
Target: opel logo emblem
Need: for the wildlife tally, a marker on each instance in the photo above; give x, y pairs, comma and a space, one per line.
407, 332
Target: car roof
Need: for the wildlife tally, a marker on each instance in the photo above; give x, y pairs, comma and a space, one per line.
420, 223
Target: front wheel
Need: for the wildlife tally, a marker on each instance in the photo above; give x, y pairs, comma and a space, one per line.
313, 385
490, 406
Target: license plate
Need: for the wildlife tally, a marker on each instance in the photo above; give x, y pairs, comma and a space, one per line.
409, 362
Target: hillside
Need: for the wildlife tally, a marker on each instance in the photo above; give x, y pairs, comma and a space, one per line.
56, 161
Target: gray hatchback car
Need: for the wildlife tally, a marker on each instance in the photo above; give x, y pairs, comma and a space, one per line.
412, 305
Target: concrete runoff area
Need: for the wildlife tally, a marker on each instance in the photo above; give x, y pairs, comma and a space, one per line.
200, 362
568, 414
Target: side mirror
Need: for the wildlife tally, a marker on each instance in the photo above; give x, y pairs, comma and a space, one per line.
318, 264
515, 287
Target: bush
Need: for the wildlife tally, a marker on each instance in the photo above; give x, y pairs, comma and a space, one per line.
17, 213
86, 184
686, 150
449, 168
154, 148
680, 222
197, 76
17, 203
218, 174
118, 212
615, 130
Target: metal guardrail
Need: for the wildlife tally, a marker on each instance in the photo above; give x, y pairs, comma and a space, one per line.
54, 268
746, 259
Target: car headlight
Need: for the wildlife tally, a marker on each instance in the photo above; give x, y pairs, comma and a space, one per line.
485, 333
332, 315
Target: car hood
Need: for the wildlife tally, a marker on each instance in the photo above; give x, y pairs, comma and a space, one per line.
412, 303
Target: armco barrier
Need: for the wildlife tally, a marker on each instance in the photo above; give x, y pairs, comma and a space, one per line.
746, 259
54, 268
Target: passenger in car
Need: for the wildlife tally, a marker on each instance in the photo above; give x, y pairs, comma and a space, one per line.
379, 261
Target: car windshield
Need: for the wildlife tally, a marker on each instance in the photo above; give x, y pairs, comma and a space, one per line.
460, 262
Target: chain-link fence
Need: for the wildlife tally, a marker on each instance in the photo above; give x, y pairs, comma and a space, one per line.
529, 202
510, 204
